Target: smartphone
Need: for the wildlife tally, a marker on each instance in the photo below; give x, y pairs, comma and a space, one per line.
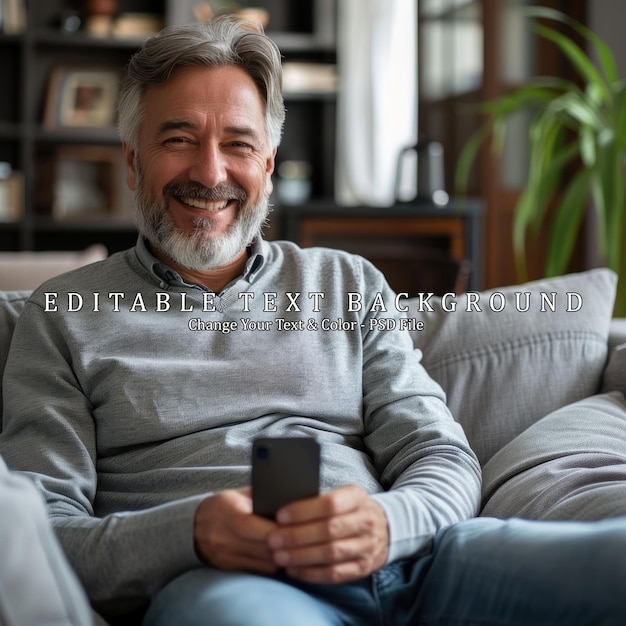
284, 469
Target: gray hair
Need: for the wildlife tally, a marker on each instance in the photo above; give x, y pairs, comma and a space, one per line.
225, 40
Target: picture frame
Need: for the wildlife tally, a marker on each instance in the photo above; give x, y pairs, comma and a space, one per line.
83, 182
82, 97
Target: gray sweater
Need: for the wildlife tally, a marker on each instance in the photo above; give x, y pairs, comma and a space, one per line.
130, 406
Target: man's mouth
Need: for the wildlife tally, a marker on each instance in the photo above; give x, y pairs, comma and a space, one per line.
212, 199
206, 205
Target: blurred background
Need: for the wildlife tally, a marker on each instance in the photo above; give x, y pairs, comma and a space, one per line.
379, 97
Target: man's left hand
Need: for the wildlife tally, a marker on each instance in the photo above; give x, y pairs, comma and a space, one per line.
337, 537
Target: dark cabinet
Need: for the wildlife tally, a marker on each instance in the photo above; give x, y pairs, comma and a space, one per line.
419, 247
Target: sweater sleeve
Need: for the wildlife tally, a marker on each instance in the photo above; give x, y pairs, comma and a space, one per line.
430, 474
123, 556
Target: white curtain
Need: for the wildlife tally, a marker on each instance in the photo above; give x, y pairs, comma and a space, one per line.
377, 100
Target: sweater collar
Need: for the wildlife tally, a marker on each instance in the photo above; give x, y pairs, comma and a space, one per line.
257, 254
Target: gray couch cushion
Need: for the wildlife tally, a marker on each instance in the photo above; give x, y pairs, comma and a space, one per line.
617, 334
11, 305
28, 270
569, 465
503, 371
614, 377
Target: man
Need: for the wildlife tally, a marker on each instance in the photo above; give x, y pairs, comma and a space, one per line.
135, 387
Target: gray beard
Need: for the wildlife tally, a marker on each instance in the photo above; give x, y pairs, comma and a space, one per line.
202, 250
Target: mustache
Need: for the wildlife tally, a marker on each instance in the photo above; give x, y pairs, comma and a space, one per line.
190, 189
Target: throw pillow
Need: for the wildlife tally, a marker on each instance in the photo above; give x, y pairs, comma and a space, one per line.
569, 465
517, 353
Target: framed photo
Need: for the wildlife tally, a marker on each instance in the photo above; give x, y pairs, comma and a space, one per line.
82, 98
78, 182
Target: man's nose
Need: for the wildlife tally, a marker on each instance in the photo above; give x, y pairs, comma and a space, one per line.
209, 166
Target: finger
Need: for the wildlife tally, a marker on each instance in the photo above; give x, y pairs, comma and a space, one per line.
334, 563
220, 546
324, 530
336, 502
229, 537
324, 553
228, 514
252, 527
372, 544
360, 537
225, 549
368, 520
222, 541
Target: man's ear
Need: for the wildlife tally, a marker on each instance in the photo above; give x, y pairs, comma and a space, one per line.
269, 170
131, 171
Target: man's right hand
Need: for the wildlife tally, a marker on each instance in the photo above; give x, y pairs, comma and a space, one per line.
229, 537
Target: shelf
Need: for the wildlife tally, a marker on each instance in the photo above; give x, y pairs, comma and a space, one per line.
289, 43
106, 136
9, 130
54, 39
307, 96
294, 43
45, 224
11, 39
100, 223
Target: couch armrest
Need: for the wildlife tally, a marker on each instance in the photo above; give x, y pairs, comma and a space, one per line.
617, 332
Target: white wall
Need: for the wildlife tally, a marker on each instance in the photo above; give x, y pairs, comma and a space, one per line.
606, 19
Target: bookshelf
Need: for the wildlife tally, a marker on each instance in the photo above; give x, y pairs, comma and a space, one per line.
63, 161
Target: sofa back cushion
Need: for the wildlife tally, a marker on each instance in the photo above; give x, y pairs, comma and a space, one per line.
11, 305
505, 369
570, 464
614, 377
27, 270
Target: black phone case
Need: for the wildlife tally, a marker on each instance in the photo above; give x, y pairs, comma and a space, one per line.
284, 469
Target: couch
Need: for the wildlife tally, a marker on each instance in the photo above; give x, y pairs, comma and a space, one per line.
27, 270
536, 373
540, 393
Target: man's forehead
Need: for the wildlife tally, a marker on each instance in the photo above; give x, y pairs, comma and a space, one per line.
192, 93
221, 82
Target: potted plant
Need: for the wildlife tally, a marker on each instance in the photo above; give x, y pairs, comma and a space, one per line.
577, 153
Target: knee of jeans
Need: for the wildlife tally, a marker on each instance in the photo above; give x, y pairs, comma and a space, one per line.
458, 536
233, 597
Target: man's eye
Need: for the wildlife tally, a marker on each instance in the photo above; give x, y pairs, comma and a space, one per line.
175, 140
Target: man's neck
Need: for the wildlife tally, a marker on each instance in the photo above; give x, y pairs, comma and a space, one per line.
213, 279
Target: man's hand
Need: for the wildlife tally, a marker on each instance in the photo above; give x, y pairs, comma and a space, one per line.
229, 537
337, 537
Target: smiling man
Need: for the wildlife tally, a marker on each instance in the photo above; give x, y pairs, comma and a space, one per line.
204, 133
138, 429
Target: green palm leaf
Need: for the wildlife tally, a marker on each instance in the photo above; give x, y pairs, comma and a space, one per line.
577, 153
566, 224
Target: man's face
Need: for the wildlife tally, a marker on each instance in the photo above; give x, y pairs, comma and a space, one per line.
202, 171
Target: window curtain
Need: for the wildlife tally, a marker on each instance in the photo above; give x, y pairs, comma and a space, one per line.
377, 99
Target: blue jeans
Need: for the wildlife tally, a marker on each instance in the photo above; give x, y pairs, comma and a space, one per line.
479, 572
